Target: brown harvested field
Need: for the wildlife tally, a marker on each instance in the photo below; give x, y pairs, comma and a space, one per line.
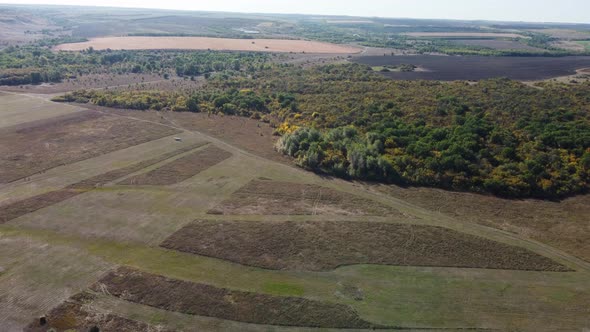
180, 169
72, 316
205, 300
326, 245
207, 43
266, 197
463, 34
564, 225
41, 145
20, 208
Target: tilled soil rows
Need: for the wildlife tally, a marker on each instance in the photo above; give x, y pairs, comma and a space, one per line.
265, 197
180, 169
42, 145
205, 300
326, 245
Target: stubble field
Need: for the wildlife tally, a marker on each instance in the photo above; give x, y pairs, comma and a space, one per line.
208, 43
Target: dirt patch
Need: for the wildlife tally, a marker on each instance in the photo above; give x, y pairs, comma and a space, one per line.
263, 197
205, 300
41, 145
71, 315
206, 43
326, 245
564, 225
180, 169
20, 208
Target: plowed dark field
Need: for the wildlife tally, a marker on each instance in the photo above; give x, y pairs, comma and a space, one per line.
451, 68
325, 245
205, 300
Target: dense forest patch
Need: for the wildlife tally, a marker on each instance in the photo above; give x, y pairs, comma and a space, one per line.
497, 136
326, 245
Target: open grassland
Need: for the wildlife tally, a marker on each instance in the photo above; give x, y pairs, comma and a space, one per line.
37, 276
325, 245
17, 109
45, 144
205, 43
264, 197
17, 209
180, 169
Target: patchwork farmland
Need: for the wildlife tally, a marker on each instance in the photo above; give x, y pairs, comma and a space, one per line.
171, 249
186, 171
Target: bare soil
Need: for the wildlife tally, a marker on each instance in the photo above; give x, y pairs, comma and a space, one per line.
326, 245
564, 225
207, 43
205, 300
265, 197
41, 145
180, 169
72, 316
20, 208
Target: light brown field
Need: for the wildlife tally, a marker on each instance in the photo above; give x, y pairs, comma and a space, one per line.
463, 34
205, 43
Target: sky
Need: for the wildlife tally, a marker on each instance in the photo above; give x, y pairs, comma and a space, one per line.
570, 11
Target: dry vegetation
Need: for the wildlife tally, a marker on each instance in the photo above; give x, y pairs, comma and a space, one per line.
204, 300
564, 225
323, 245
265, 197
248, 134
181, 168
20, 208
206, 43
71, 315
42, 145
102, 81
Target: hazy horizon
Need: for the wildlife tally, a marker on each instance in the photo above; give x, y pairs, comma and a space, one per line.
566, 11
